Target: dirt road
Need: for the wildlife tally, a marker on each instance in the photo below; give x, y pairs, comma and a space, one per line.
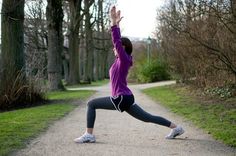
118, 134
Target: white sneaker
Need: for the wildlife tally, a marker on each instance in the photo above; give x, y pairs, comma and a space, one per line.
175, 132
86, 138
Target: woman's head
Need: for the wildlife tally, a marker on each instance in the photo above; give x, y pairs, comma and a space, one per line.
127, 45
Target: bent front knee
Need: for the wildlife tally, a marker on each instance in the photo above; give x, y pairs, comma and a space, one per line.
90, 103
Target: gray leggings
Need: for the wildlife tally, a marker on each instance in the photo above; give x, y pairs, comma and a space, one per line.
134, 110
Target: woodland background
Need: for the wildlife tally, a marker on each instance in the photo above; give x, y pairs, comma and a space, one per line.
46, 45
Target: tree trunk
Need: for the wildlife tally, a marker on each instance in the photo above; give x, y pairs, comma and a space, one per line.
233, 2
12, 50
89, 42
104, 53
74, 76
75, 21
66, 69
55, 44
233, 5
96, 55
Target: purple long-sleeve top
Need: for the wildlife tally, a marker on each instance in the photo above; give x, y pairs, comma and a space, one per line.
119, 69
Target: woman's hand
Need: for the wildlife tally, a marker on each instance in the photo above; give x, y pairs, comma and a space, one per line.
115, 16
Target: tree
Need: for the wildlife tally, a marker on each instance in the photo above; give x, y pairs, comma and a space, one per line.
12, 50
65, 55
54, 15
15, 89
103, 47
76, 17
88, 42
198, 36
36, 40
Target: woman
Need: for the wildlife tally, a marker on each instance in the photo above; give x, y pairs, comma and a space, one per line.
122, 98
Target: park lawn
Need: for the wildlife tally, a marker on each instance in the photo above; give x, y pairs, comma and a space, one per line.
216, 118
19, 126
93, 84
69, 94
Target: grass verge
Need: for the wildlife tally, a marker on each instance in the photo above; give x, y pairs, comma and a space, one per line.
218, 118
19, 126
93, 84
69, 95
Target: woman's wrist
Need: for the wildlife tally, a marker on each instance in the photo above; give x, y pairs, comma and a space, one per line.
113, 23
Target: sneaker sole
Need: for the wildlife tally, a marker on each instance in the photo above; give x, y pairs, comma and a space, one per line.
89, 141
178, 134
93, 141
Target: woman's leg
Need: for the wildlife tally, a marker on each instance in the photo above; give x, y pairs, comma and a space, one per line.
140, 114
98, 103
137, 112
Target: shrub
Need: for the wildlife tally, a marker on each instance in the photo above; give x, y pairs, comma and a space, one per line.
19, 93
155, 70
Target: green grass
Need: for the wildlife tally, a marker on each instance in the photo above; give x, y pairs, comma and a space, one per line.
65, 95
216, 118
93, 84
19, 126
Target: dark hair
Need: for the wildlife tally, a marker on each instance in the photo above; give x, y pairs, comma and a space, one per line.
128, 45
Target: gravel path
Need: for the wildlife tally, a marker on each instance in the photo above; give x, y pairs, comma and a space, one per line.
118, 134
